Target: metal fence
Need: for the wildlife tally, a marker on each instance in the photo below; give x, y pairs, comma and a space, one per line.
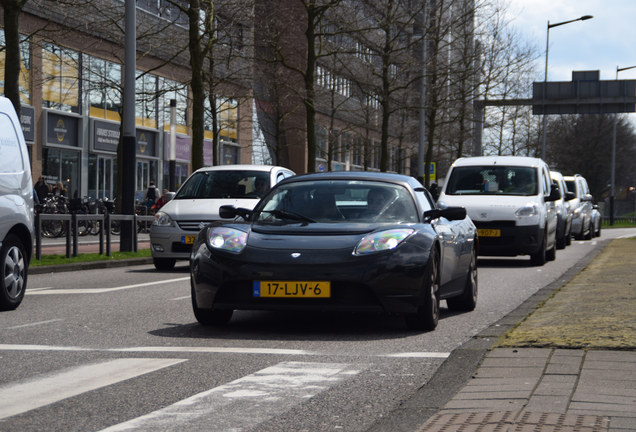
72, 220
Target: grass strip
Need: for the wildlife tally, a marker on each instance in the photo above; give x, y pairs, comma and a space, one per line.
61, 259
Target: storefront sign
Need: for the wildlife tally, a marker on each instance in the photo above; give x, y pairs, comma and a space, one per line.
27, 119
105, 136
146, 143
62, 130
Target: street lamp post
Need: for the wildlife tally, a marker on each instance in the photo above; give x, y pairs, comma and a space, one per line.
421, 172
613, 181
547, 45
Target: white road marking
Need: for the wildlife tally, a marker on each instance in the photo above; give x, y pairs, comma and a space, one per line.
210, 350
182, 298
35, 323
38, 392
246, 402
101, 290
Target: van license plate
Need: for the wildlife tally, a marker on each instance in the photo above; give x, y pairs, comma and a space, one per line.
489, 232
187, 239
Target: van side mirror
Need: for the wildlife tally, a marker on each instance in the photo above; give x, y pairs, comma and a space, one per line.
555, 194
587, 197
569, 196
450, 213
169, 196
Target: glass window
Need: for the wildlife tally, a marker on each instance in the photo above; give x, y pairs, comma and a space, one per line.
228, 119
146, 100
493, 180
60, 74
12, 157
225, 184
335, 201
25, 68
104, 88
179, 92
321, 142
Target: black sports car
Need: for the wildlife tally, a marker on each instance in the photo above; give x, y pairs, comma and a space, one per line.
338, 241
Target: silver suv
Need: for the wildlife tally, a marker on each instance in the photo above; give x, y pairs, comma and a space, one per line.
16, 209
581, 206
197, 203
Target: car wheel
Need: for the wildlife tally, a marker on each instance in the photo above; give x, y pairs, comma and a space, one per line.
561, 243
550, 255
539, 258
209, 317
427, 315
14, 273
598, 232
568, 238
164, 263
468, 300
590, 232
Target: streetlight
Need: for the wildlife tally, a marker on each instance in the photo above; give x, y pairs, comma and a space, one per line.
612, 189
421, 173
547, 45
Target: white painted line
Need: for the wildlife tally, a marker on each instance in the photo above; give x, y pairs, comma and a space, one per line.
217, 350
420, 355
35, 323
208, 350
102, 290
246, 402
182, 298
20, 398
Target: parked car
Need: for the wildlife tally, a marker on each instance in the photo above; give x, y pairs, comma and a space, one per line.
597, 220
564, 212
511, 202
16, 209
197, 203
338, 241
581, 204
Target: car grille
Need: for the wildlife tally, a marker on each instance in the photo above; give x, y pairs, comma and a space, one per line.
495, 224
192, 225
181, 248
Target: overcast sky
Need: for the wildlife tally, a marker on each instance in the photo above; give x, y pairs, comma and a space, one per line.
602, 43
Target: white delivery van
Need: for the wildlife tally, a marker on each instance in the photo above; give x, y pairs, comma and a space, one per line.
16, 209
511, 202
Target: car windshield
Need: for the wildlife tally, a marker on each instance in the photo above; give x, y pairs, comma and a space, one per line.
493, 180
225, 184
337, 201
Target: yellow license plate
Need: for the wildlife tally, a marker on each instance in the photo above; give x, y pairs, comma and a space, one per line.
187, 239
489, 232
295, 289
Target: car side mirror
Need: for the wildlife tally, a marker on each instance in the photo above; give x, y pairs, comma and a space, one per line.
555, 194
450, 213
587, 197
569, 196
230, 212
595, 207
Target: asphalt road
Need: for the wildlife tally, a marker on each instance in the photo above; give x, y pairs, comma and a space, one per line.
94, 349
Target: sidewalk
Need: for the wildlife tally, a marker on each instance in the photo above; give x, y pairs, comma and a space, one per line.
569, 366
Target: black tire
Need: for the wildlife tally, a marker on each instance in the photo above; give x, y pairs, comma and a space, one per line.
561, 242
568, 238
209, 317
598, 233
13, 274
427, 315
550, 255
539, 258
164, 263
467, 301
590, 232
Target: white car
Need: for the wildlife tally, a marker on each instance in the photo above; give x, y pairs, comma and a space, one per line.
197, 203
16, 209
511, 202
582, 228
564, 212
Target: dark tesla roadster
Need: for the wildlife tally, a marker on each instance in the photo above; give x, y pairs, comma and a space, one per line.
338, 241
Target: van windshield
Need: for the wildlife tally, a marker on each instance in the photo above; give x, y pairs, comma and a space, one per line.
493, 180
225, 184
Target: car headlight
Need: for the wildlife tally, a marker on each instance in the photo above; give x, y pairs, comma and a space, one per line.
227, 239
528, 210
163, 219
382, 241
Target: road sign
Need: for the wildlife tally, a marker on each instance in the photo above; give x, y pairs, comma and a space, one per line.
432, 171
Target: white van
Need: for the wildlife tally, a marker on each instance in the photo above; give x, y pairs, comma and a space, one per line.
16, 209
511, 201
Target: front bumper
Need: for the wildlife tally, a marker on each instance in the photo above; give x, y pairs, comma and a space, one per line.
387, 282
169, 242
514, 240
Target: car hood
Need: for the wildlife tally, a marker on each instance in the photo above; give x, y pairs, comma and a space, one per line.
487, 207
203, 208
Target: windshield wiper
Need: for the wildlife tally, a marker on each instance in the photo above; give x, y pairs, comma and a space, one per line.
289, 215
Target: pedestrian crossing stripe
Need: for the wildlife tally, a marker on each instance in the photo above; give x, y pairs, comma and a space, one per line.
245, 402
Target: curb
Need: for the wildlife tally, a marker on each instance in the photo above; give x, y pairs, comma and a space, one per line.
464, 360
90, 265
